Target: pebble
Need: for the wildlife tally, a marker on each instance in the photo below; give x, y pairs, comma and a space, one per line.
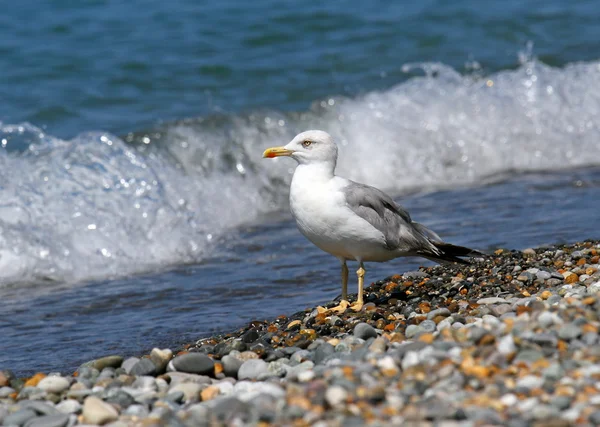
19, 417
231, 366
364, 331
96, 411
104, 362
69, 406
335, 396
451, 345
191, 391
252, 369
56, 420
54, 384
491, 300
161, 358
143, 367
194, 363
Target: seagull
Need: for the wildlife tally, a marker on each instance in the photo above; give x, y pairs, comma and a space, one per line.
353, 221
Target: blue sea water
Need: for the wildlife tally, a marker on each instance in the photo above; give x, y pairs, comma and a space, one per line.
135, 208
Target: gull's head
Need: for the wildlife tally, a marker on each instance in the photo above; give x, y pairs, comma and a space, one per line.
312, 146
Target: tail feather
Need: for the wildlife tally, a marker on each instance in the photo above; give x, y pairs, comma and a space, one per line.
450, 253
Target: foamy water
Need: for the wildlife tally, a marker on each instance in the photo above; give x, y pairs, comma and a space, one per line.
99, 206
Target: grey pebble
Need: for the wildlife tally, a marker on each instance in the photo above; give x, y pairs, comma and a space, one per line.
561, 402
143, 367
364, 331
594, 418
56, 420
428, 325
543, 275
127, 364
569, 331
322, 352
252, 369
194, 363
412, 331
438, 312
231, 366
19, 417
6, 391
528, 356
42, 408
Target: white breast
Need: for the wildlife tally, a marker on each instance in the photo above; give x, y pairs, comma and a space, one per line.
319, 207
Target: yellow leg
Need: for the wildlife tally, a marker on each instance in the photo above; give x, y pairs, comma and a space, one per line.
358, 305
344, 281
343, 305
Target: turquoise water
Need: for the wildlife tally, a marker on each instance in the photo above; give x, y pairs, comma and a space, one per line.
135, 207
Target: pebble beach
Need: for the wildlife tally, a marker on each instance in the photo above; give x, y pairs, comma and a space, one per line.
512, 339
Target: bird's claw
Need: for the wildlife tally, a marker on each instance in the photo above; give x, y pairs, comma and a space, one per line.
357, 306
340, 308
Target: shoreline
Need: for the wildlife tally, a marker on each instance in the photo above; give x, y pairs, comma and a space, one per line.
512, 338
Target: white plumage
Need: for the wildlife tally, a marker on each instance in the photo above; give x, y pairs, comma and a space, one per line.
349, 220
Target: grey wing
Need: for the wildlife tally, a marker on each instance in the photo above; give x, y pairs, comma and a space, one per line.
377, 208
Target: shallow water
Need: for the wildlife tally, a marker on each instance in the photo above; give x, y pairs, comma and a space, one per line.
135, 207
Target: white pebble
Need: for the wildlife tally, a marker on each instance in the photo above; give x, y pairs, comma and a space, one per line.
306, 376
54, 384
336, 395
509, 399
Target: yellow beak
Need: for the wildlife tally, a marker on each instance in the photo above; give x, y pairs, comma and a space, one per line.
277, 152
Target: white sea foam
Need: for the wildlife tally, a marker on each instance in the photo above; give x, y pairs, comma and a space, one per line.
97, 206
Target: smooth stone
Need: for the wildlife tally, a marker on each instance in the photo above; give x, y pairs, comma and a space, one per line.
144, 367
252, 369
364, 331
543, 275
561, 402
530, 381
231, 366
161, 358
491, 300
191, 391
54, 384
292, 372
438, 312
41, 408
506, 345
19, 417
104, 362
194, 363
428, 325
569, 332
322, 352
6, 391
335, 395
136, 410
412, 331
528, 356
119, 397
69, 406
96, 411
176, 396
56, 420
594, 418
129, 363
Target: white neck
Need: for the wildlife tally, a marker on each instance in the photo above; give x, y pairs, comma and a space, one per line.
315, 172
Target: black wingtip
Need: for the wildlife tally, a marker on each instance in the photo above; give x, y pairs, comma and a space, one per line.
452, 253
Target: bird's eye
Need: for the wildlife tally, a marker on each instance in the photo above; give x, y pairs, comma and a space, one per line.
306, 143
